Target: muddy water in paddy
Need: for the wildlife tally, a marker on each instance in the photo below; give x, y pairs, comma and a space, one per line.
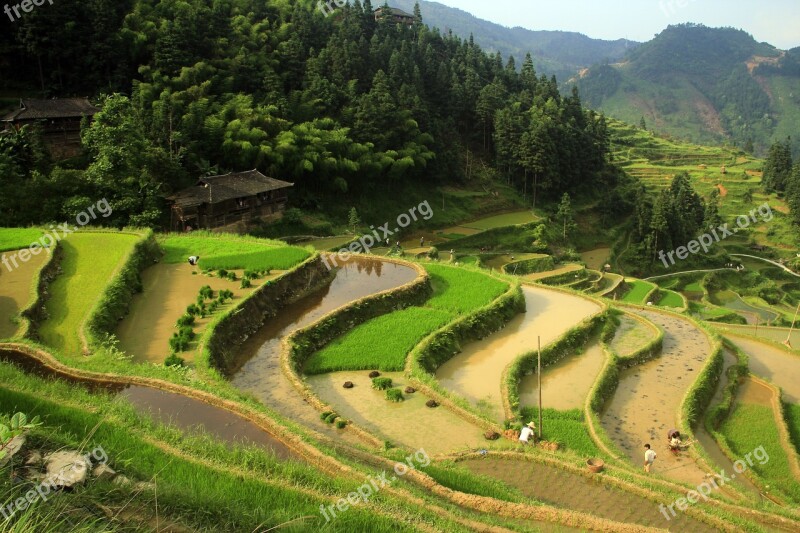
580, 493
259, 371
192, 415
647, 401
778, 335
631, 335
773, 364
409, 423
566, 383
476, 372
166, 407
15, 290
168, 290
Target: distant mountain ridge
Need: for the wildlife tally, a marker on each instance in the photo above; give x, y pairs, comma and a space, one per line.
558, 53
703, 84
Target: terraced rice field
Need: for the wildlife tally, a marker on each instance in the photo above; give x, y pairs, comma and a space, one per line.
631, 335
90, 261
638, 291
646, 403
409, 423
17, 290
476, 372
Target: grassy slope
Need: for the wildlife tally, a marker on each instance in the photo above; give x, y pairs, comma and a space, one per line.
231, 252
206, 497
384, 342
90, 260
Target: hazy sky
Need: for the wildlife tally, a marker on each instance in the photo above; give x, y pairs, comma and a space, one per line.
774, 21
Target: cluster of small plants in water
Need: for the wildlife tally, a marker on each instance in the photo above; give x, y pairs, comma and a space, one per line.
247, 277
393, 394
205, 305
331, 417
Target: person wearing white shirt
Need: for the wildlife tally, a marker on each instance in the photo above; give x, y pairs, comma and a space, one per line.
527, 433
649, 457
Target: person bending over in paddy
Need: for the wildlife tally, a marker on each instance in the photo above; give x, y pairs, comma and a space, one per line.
193, 259
649, 457
526, 433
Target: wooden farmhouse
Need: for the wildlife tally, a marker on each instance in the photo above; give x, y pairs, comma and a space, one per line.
237, 198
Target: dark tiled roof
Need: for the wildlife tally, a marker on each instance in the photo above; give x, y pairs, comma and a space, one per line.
397, 12
216, 189
55, 108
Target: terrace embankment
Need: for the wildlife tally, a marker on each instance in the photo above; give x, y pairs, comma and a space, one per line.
16, 286
648, 398
257, 369
476, 373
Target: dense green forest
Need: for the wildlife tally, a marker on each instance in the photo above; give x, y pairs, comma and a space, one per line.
339, 105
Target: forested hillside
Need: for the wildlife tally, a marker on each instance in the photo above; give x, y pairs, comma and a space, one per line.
339, 104
705, 85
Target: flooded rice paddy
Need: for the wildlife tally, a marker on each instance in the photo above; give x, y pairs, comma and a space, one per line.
647, 401
409, 423
259, 370
168, 290
631, 336
16, 288
565, 384
773, 364
476, 372
166, 407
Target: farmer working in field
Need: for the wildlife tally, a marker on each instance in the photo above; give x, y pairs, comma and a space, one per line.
527, 433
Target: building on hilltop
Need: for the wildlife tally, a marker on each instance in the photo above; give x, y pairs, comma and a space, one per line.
236, 198
59, 120
398, 16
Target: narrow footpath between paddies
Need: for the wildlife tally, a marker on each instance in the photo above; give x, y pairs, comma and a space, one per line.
259, 371
646, 403
476, 373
